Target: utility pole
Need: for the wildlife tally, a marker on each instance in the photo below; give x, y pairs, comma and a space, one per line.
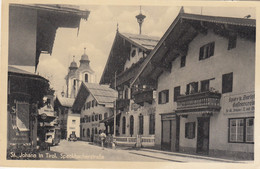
115, 111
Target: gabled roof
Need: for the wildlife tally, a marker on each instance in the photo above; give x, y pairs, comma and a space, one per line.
182, 31
142, 41
66, 102
120, 51
101, 93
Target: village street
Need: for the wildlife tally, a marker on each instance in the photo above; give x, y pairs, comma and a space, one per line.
80, 150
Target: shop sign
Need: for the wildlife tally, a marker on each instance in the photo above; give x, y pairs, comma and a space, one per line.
239, 103
168, 116
43, 116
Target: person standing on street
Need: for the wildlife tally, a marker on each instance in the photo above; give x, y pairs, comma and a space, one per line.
102, 138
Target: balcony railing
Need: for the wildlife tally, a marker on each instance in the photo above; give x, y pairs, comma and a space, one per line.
142, 96
199, 101
122, 103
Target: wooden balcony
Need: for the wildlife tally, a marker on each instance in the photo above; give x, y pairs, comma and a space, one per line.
122, 103
142, 96
204, 101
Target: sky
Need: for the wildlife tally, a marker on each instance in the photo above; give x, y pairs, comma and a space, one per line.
98, 32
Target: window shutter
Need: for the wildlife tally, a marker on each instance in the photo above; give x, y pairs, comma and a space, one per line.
212, 47
188, 89
160, 98
201, 53
196, 86
167, 96
193, 132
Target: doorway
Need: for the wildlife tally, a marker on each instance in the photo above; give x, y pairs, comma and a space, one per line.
203, 135
166, 135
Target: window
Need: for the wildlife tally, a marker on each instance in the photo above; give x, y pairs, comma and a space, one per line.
152, 124
93, 118
95, 130
133, 53
105, 115
207, 51
204, 86
192, 88
93, 103
232, 42
74, 83
73, 121
163, 97
123, 125
227, 82
177, 92
86, 119
120, 94
100, 116
86, 77
141, 124
131, 125
89, 118
88, 132
190, 130
241, 130
183, 61
96, 117
126, 93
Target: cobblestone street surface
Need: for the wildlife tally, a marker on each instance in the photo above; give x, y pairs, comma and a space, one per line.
80, 150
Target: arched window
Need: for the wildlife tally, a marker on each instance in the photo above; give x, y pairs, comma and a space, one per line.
83, 133
88, 132
86, 77
123, 125
141, 124
131, 125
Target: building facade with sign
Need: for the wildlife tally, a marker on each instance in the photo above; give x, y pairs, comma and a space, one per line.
205, 101
94, 104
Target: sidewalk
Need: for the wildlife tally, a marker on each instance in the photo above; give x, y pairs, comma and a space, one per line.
180, 157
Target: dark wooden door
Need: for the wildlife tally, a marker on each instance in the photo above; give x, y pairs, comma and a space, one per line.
203, 135
166, 135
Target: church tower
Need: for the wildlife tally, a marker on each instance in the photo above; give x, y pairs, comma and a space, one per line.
77, 75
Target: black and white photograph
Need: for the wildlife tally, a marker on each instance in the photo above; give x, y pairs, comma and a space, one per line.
130, 83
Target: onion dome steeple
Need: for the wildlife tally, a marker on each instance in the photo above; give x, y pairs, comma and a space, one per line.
140, 20
84, 58
73, 65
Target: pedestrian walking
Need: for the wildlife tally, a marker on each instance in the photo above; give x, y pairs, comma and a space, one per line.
102, 138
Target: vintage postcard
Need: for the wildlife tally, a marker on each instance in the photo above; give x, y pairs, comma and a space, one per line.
133, 84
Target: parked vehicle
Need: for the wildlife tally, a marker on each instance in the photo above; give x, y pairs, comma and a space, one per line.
53, 137
72, 137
